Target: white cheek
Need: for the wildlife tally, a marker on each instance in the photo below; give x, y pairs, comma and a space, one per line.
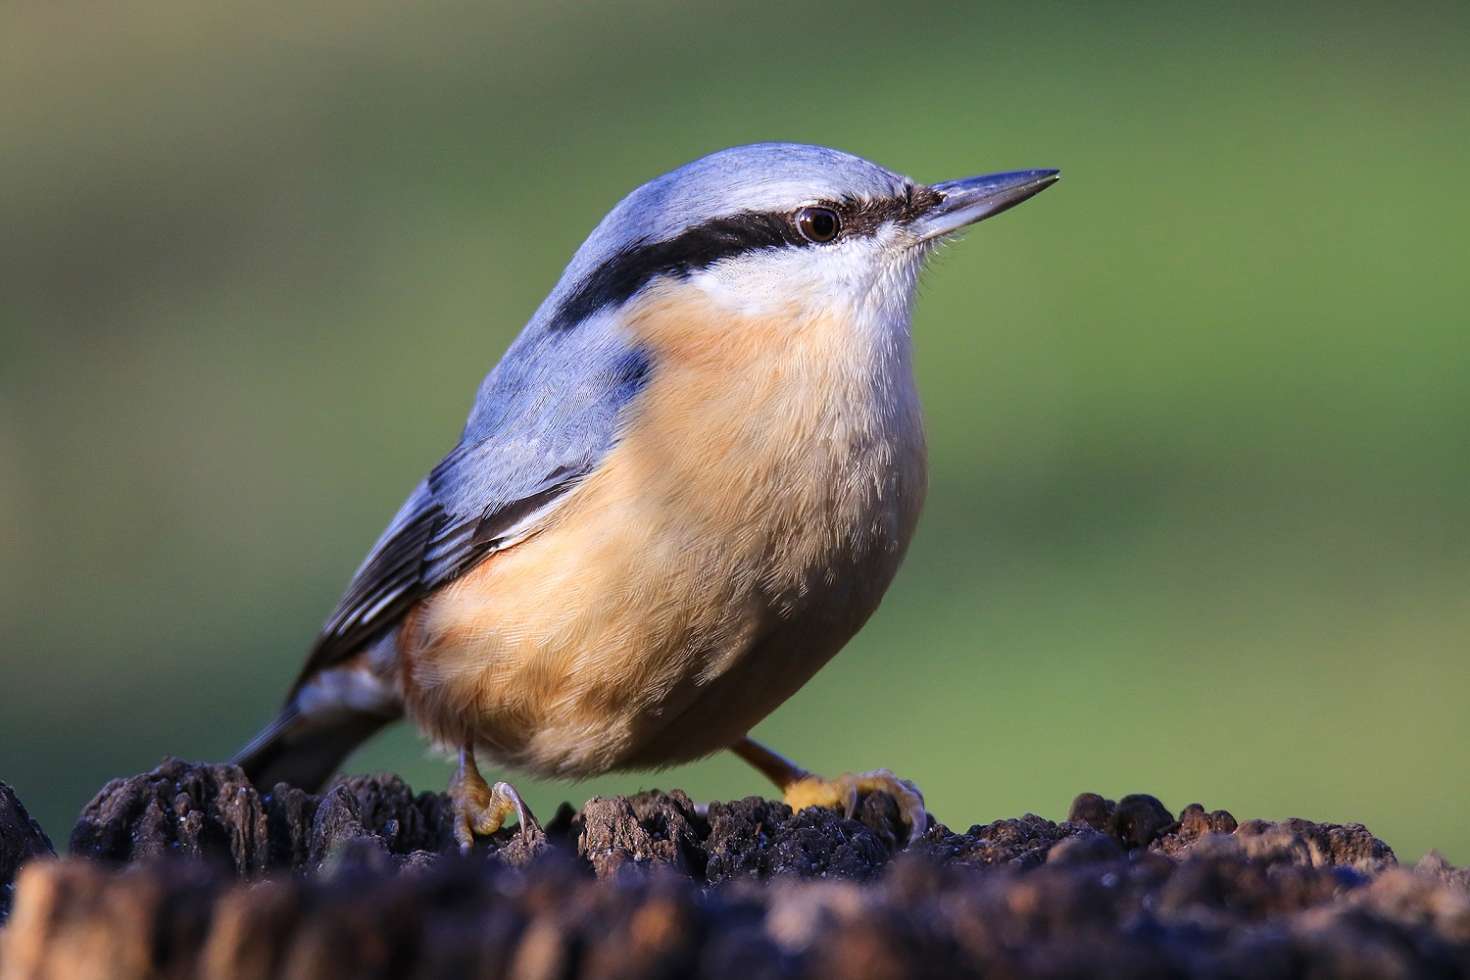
866, 280
766, 282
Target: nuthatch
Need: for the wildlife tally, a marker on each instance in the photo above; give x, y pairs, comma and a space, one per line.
685, 487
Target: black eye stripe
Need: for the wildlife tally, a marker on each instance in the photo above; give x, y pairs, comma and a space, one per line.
864, 217
701, 246
696, 248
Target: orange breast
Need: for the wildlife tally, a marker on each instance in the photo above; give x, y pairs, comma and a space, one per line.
758, 491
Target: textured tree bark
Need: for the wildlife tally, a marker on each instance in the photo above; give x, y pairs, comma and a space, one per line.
186, 871
21, 839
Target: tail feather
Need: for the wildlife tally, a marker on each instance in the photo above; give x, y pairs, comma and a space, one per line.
303, 751
329, 713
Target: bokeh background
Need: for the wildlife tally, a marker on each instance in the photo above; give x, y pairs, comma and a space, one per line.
1200, 517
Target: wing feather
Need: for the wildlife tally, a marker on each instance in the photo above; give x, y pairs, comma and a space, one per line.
528, 443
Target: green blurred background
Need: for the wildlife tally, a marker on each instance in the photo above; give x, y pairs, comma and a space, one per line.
1200, 517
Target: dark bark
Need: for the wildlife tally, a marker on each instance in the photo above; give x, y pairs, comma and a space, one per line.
21, 839
185, 871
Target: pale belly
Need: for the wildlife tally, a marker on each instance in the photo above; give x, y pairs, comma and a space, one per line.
626, 637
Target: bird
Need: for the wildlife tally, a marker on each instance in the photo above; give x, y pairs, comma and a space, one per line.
686, 485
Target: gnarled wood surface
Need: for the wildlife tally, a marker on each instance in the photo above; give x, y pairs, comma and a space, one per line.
186, 871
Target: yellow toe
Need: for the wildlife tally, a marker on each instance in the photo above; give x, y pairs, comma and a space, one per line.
816, 791
480, 811
842, 794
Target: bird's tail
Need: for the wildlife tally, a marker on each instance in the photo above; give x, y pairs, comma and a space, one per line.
309, 739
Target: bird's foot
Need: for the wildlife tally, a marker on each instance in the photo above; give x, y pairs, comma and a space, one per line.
842, 794
480, 809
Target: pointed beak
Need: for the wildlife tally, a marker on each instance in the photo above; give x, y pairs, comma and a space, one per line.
964, 202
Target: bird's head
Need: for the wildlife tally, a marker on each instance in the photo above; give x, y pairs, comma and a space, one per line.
778, 228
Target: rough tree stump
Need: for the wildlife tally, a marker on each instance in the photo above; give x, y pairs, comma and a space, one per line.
186, 871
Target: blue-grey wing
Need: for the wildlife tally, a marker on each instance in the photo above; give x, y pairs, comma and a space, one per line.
543, 420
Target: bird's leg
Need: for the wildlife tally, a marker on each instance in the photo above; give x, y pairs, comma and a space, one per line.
802, 789
481, 809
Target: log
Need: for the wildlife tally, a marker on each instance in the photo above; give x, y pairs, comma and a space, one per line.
186, 871
21, 839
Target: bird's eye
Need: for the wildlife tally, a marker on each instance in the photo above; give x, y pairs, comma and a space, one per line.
818, 224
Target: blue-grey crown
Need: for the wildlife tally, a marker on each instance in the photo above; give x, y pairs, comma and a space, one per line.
728, 202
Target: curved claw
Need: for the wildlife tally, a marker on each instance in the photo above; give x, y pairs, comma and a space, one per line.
480, 810
525, 819
480, 815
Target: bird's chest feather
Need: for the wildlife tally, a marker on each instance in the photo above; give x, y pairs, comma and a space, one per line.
792, 442
764, 486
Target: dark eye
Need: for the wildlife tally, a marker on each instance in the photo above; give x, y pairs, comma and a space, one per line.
818, 224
